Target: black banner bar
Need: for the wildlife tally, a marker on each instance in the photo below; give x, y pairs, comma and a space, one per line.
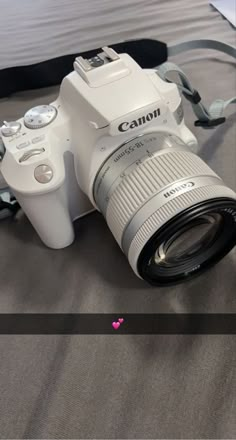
107, 324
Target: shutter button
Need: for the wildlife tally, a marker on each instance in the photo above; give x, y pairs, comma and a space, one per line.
43, 174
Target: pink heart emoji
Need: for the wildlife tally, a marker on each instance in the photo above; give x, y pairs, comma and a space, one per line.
121, 320
115, 325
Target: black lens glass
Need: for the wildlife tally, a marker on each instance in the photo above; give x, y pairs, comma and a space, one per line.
191, 242
191, 239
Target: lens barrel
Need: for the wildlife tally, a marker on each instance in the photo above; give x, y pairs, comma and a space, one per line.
155, 195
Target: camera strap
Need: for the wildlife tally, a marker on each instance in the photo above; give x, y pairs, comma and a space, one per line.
8, 204
207, 118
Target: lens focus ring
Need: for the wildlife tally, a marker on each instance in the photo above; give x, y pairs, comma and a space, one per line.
161, 173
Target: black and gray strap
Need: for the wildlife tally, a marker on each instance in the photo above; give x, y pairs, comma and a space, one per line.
213, 116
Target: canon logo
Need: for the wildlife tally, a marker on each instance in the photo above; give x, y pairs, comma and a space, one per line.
124, 126
178, 188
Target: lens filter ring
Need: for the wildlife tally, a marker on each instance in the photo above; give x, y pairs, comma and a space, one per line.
211, 246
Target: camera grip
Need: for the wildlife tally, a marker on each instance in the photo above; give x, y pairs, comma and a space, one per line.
49, 216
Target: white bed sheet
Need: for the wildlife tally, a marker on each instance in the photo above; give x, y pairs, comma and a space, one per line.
33, 31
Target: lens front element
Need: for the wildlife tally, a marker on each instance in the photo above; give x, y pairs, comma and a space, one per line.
189, 241
192, 241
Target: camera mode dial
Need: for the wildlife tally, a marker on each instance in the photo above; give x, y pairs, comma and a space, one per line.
40, 116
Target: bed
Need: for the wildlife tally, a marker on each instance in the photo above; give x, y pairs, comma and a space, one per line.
114, 386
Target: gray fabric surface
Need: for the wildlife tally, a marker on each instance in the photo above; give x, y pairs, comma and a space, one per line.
33, 31
119, 386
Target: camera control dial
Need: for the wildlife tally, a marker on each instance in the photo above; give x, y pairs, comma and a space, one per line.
40, 116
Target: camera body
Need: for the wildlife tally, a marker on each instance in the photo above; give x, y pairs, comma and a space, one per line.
114, 126
99, 108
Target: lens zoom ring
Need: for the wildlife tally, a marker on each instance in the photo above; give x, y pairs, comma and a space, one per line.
146, 180
169, 210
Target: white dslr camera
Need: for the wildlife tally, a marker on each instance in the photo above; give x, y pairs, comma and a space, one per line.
115, 140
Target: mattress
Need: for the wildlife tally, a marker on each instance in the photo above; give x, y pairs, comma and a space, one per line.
114, 385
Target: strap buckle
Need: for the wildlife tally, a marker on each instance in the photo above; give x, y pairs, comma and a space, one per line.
194, 98
211, 123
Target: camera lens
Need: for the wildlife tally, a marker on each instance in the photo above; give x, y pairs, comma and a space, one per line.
171, 214
191, 239
189, 243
